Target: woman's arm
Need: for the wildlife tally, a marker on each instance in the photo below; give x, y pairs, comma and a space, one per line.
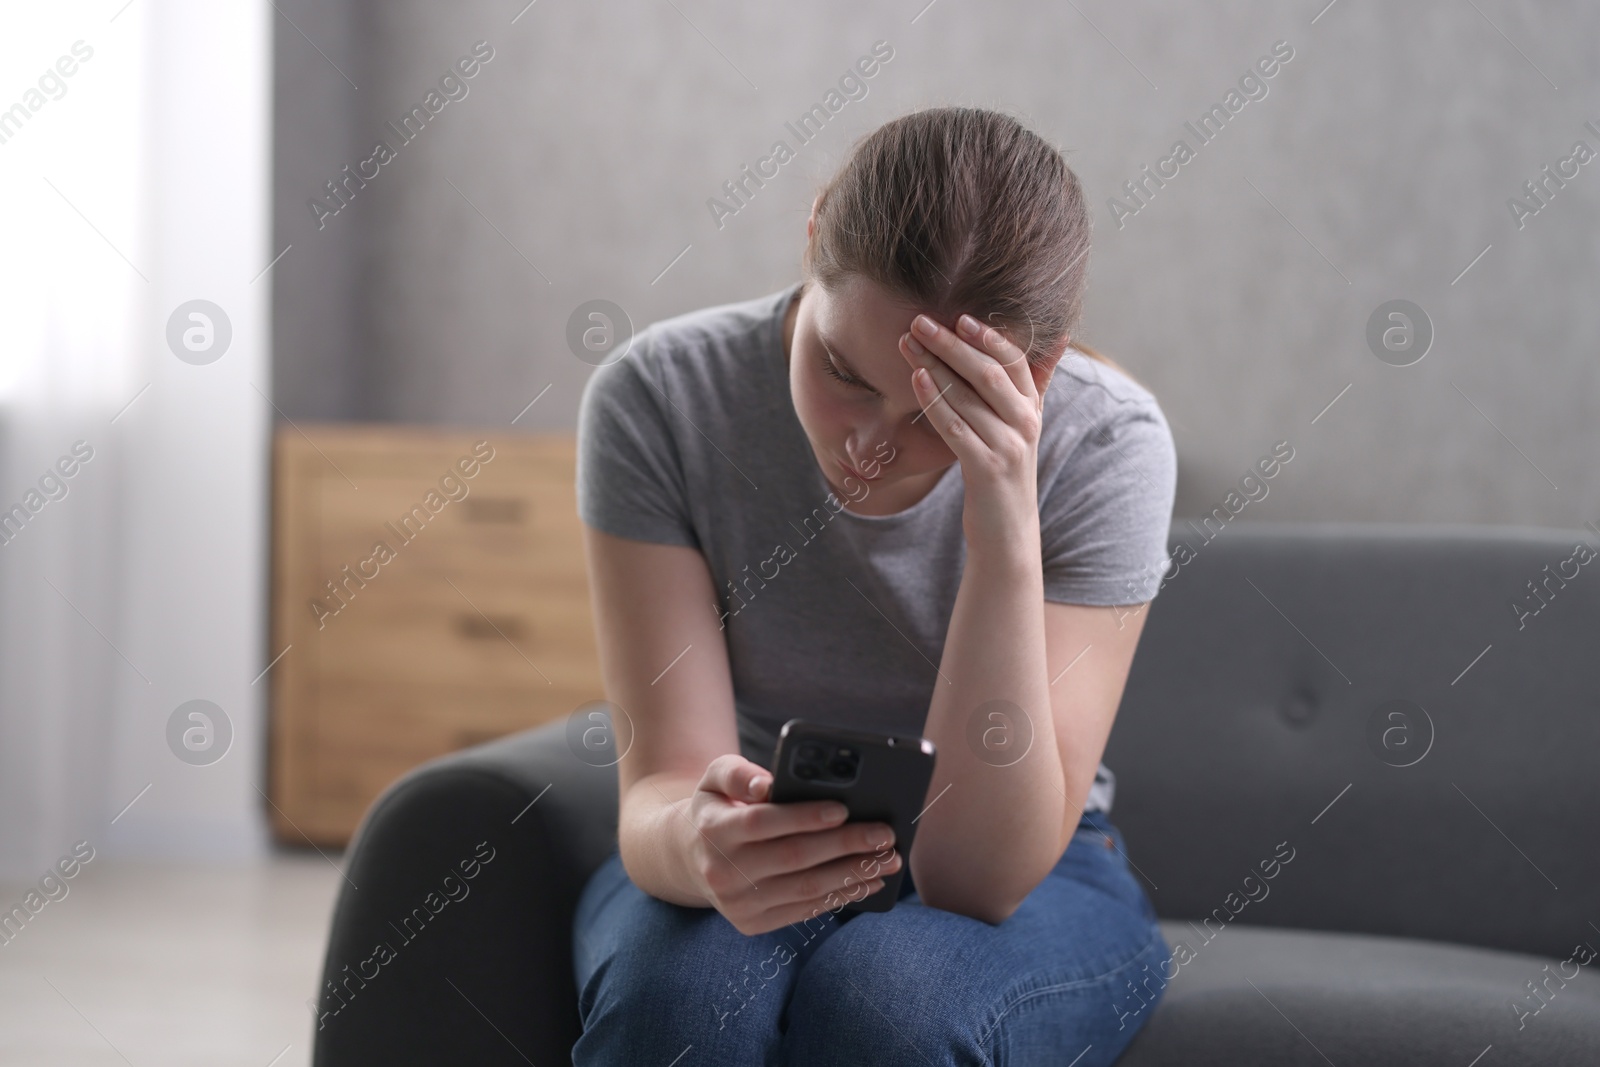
695, 824
1089, 651
664, 661
1010, 786
991, 833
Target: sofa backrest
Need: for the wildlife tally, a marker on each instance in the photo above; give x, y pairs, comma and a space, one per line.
1399, 724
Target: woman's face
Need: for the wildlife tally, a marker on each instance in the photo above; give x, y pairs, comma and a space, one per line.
869, 433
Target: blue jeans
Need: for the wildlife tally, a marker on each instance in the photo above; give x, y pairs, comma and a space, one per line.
1074, 972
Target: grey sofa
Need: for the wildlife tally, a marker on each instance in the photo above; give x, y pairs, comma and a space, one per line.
1361, 783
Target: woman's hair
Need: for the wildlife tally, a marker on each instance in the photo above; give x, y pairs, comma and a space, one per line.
959, 209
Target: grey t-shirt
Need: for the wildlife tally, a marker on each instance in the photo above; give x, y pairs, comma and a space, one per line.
692, 439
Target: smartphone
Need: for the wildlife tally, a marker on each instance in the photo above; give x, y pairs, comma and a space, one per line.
878, 777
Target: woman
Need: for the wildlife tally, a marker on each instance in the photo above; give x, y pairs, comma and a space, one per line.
868, 500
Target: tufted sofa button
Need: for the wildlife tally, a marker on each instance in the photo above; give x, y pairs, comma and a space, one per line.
1298, 709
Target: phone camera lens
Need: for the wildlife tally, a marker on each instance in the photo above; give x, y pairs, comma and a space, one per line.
811, 751
807, 771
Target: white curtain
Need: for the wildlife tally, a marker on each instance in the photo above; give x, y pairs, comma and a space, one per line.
133, 171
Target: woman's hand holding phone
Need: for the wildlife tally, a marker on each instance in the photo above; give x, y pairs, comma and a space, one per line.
765, 865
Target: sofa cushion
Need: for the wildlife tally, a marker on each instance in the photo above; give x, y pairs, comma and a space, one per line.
1256, 995
1383, 703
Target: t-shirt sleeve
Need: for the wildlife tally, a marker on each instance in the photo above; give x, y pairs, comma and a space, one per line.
1106, 515
630, 479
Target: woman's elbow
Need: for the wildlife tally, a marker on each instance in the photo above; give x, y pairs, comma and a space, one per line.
985, 908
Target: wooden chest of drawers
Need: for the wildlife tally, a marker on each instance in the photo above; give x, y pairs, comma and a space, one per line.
429, 588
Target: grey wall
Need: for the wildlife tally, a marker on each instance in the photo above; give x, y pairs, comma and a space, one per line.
1377, 167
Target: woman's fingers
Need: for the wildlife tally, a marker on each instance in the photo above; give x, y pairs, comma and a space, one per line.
988, 339
844, 877
1015, 360
765, 822
808, 850
831, 902
736, 778
948, 401
805, 911
972, 351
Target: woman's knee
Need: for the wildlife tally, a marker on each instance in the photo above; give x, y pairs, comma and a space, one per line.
894, 983
1093, 1018
667, 975
919, 984
661, 955
1137, 988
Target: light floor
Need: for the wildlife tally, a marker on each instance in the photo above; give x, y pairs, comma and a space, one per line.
170, 965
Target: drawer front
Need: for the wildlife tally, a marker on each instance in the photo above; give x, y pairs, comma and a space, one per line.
475, 630
367, 735
533, 529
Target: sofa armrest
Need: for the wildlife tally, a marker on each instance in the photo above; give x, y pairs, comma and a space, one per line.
451, 938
